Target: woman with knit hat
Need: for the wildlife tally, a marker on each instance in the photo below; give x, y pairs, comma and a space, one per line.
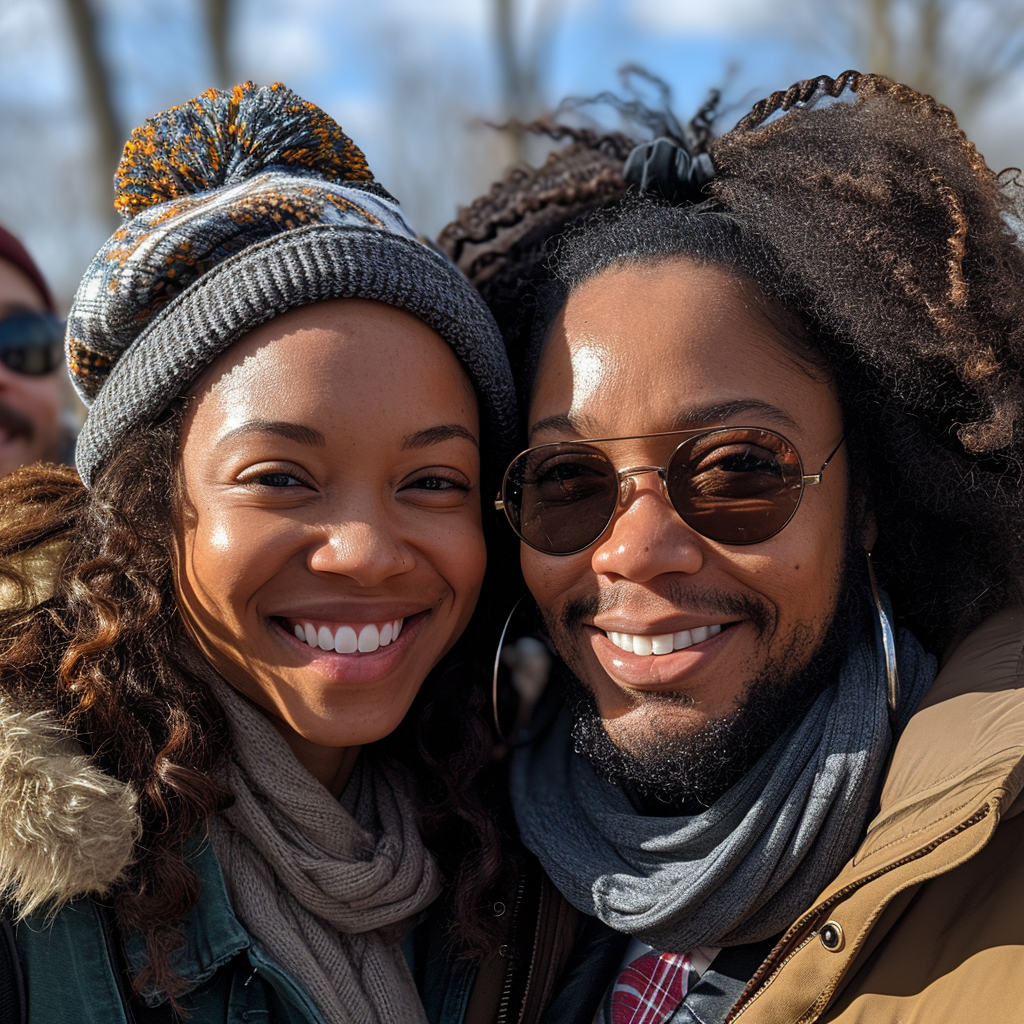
237, 744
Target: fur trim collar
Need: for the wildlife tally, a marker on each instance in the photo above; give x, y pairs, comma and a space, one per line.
66, 828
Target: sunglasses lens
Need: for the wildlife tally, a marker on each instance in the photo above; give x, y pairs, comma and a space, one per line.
31, 343
735, 486
34, 361
560, 497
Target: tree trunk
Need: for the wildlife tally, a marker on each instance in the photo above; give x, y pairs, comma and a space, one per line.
99, 97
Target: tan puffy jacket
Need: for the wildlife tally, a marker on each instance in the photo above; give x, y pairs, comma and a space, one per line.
925, 925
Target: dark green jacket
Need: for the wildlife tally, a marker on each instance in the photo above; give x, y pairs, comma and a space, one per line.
76, 968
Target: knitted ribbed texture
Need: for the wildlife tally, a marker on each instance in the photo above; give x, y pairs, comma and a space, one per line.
284, 272
326, 893
240, 206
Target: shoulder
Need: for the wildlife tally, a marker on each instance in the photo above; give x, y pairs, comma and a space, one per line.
66, 828
968, 731
925, 921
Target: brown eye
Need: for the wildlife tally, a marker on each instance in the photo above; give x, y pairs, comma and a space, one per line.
277, 480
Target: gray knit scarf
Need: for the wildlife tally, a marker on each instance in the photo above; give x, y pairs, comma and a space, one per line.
325, 887
742, 870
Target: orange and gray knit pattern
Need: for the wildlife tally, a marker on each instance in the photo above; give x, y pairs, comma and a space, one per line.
238, 206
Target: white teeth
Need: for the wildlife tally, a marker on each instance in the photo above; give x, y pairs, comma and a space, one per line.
682, 640
642, 645
345, 640
662, 643
369, 638
623, 640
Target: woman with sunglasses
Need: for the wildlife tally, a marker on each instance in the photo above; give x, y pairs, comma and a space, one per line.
240, 739
753, 367
34, 397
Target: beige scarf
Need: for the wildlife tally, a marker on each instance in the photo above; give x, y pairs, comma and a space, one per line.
327, 888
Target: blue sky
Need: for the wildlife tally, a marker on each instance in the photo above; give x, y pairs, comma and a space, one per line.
404, 77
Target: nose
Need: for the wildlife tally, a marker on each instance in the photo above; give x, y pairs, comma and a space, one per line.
365, 549
647, 538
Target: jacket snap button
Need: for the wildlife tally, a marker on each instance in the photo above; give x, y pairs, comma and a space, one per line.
831, 936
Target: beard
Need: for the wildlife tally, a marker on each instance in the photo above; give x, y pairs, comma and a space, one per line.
665, 773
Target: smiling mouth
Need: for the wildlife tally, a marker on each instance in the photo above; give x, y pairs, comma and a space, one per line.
344, 637
648, 644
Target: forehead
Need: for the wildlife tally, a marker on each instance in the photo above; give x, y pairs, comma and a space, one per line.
663, 347
337, 363
17, 290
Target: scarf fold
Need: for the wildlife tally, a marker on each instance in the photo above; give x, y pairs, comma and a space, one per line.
745, 868
327, 888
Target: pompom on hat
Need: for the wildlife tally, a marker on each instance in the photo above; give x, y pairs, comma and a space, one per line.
239, 206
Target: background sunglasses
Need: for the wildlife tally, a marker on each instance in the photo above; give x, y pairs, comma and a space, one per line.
733, 485
32, 343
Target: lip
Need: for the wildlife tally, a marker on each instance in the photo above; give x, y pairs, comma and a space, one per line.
663, 671
349, 611
360, 667
612, 623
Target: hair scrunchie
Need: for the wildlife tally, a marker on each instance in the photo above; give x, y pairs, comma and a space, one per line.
667, 168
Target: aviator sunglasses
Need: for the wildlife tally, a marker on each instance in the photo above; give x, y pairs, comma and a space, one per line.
732, 485
32, 343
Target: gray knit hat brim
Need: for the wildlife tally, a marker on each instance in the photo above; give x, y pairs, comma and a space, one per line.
284, 272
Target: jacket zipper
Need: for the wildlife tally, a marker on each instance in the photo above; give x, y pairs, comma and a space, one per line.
760, 981
506, 990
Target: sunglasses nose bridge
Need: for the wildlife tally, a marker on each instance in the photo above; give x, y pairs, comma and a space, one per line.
627, 481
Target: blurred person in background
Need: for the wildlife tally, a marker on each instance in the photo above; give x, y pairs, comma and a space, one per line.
36, 418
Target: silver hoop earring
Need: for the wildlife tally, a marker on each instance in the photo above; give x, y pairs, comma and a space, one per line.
528, 661
892, 680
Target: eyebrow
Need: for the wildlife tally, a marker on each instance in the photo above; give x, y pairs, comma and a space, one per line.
292, 431
437, 435
582, 426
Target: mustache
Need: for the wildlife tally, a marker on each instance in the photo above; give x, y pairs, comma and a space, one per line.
697, 600
15, 423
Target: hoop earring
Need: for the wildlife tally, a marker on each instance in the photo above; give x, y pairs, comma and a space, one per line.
892, 680
529, 661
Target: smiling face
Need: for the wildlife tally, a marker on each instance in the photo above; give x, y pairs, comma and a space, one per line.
332, 549
671, 347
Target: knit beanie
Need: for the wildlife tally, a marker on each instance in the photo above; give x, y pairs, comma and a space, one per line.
238, 206
16, 254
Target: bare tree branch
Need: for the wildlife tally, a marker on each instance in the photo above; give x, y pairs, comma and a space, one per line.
523, 68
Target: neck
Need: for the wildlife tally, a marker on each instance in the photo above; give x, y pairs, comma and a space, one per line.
330, 766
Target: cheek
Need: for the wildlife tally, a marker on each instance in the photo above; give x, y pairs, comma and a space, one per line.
224, 560
460, 557
549, 578
801, 574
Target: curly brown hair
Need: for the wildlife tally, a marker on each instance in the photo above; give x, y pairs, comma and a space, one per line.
862, 210
109, 651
